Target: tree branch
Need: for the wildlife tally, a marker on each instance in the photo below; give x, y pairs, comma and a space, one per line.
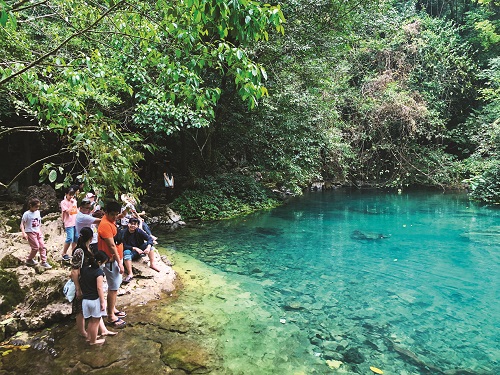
6, 186
66, 41
15, 7
19, 129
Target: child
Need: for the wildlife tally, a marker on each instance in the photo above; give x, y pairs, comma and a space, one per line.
93, 304
31, 228
68, 214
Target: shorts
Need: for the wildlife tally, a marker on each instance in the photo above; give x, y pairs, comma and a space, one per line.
71, 235
132, 254
113, 275
92, 309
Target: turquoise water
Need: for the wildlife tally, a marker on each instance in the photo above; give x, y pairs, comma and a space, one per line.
406, 283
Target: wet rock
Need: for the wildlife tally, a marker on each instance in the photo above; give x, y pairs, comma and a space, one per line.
185, 355
335, 365
368, 236
353, 355
293, 306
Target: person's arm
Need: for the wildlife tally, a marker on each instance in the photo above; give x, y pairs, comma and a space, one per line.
25, 236
75, 276
111, 245
100, 292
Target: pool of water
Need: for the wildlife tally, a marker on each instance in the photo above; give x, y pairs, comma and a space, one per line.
340, 281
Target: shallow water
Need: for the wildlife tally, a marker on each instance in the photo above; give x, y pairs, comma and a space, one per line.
347, 280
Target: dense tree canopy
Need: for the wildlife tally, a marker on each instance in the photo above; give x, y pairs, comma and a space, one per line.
379, 93
103, 75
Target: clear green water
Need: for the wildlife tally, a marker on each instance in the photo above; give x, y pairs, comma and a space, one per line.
303, 289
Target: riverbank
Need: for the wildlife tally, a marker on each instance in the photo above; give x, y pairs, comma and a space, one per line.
32, 298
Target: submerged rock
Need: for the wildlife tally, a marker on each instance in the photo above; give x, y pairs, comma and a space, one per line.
368, 236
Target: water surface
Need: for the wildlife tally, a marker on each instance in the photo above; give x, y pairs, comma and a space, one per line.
340, 281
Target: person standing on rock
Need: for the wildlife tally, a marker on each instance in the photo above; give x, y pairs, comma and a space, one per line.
31, 229
82, 258
69, 210
113, 269
85, 219
93, 303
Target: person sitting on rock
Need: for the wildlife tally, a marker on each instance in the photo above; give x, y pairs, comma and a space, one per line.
136, 243
130, 211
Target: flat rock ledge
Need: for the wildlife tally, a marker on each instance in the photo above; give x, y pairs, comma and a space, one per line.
33, 298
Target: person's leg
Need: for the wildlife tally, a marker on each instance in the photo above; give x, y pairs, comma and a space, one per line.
33, 242
80, 324
145, 227
92, 331
104, 330
127, 261
111, 299
151, 256
114, 279
70, 234
41, 247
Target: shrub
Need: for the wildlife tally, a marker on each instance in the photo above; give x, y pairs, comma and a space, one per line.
223, 196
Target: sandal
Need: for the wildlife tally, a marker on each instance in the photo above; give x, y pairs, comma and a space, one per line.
127, 279
121, 314
118, 323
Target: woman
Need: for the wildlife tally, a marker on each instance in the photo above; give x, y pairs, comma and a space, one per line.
82, 257
93, 303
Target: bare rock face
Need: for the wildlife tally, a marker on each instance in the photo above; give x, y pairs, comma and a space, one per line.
47, 196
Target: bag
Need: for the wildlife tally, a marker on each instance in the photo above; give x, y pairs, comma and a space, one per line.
169, 182
69, 290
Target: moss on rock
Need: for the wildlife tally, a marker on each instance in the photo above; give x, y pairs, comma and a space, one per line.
11, 292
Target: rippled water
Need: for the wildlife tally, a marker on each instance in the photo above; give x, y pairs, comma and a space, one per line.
342, 280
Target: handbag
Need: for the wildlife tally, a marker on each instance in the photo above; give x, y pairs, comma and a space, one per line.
69, 290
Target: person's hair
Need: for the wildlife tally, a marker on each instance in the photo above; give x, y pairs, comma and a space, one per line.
100, 256
85, 202
33, 202
71, 190
85, 234
112, 207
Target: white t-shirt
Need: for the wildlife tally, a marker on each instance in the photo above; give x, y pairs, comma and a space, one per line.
32, 221
84, 220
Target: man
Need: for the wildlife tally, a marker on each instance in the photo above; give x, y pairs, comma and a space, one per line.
85, 219
136, 243
113, 269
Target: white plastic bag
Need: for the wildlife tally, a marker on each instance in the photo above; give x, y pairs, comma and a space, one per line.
69, 290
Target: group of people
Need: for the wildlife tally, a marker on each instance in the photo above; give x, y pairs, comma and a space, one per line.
104, 243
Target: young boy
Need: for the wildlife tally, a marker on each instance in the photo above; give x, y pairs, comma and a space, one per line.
31, 228
68, 213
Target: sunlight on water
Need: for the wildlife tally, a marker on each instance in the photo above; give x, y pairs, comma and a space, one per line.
340, 281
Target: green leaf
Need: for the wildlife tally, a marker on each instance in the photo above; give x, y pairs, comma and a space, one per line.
52, 175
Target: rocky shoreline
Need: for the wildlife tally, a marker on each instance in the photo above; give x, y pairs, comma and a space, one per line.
31, 298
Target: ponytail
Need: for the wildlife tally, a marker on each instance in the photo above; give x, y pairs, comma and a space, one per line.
85, 235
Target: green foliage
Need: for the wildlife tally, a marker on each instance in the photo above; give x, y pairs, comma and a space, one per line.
105, 77
223, 196
10, 291
486, 187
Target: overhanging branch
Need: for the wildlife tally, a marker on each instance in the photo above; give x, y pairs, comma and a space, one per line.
66, 41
